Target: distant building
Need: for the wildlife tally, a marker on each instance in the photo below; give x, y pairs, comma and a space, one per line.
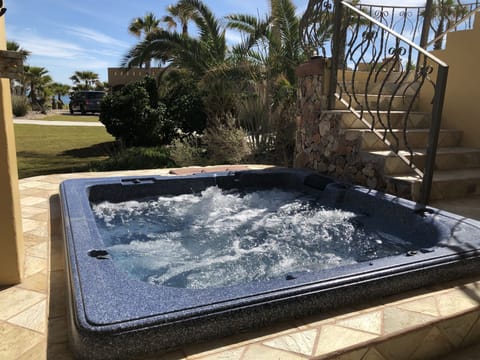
119, 77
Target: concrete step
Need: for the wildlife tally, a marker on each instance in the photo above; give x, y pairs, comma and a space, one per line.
447, 184
378, 102
416, 138
448, 158
396, 119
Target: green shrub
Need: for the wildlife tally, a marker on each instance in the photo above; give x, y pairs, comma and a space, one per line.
185, 106
188, 151
225, 144
136, 117
135, 158
254, 116
19, 105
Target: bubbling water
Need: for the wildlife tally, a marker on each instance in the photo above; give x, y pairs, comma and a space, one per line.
221, 238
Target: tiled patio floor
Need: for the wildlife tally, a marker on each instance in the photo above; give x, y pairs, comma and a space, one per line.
416, 325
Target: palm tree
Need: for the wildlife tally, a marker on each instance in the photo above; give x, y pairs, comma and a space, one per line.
272, 45
59, 90
145, 26
39, 80
17, 83
444, 14
14, 46
178, 14
88, 77
205, 58
272, 41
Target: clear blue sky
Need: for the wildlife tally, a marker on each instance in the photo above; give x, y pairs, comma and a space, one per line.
67, 35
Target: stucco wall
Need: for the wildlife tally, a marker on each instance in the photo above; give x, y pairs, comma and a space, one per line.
462, 101
11, 235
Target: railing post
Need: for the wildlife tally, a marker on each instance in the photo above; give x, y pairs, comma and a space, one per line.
438, 100
427, 19
336, 50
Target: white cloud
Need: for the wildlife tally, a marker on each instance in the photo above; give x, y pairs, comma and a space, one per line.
90, 34
43, 46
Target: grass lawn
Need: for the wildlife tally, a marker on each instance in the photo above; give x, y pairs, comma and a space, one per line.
59, 149
68, 117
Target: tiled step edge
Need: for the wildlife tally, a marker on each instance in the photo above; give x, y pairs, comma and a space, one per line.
426, 341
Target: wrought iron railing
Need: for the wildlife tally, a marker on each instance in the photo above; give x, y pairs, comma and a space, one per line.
426, 26
377, 45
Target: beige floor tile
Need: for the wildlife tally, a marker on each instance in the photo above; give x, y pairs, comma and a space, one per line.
15, 341
233, 354
28, 211
34, 201
35, 184
48, 187
37, 282
15, 300
32, 240
41, 231
43, 216
34, 265
434, 344
369, 322
472, 289
241, 339
38, 352
31, 225
455, 302
457, 329
316, 321
39, 250
395, 319
427, 306
403, 346
373, 354
353, 355
301, 342
33, 318
473, 335
332, 338
257, 352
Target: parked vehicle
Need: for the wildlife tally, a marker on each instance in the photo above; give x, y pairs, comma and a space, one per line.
86, 101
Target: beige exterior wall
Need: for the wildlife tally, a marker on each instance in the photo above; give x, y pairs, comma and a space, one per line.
11, 235
121, 76
462, 101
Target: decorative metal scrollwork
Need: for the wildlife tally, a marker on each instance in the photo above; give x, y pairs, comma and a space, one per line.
397, 51
315, 26
369, 35
426, 70
2, 9
381, 15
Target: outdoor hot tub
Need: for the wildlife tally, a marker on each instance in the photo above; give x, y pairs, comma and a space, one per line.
157, 262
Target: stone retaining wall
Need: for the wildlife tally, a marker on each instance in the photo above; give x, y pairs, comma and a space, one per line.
321, 142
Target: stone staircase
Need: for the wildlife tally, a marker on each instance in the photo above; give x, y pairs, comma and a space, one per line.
457, 169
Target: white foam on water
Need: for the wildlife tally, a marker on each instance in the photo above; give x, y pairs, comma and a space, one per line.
220, 238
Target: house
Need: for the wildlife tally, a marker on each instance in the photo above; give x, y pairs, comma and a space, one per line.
119, 77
